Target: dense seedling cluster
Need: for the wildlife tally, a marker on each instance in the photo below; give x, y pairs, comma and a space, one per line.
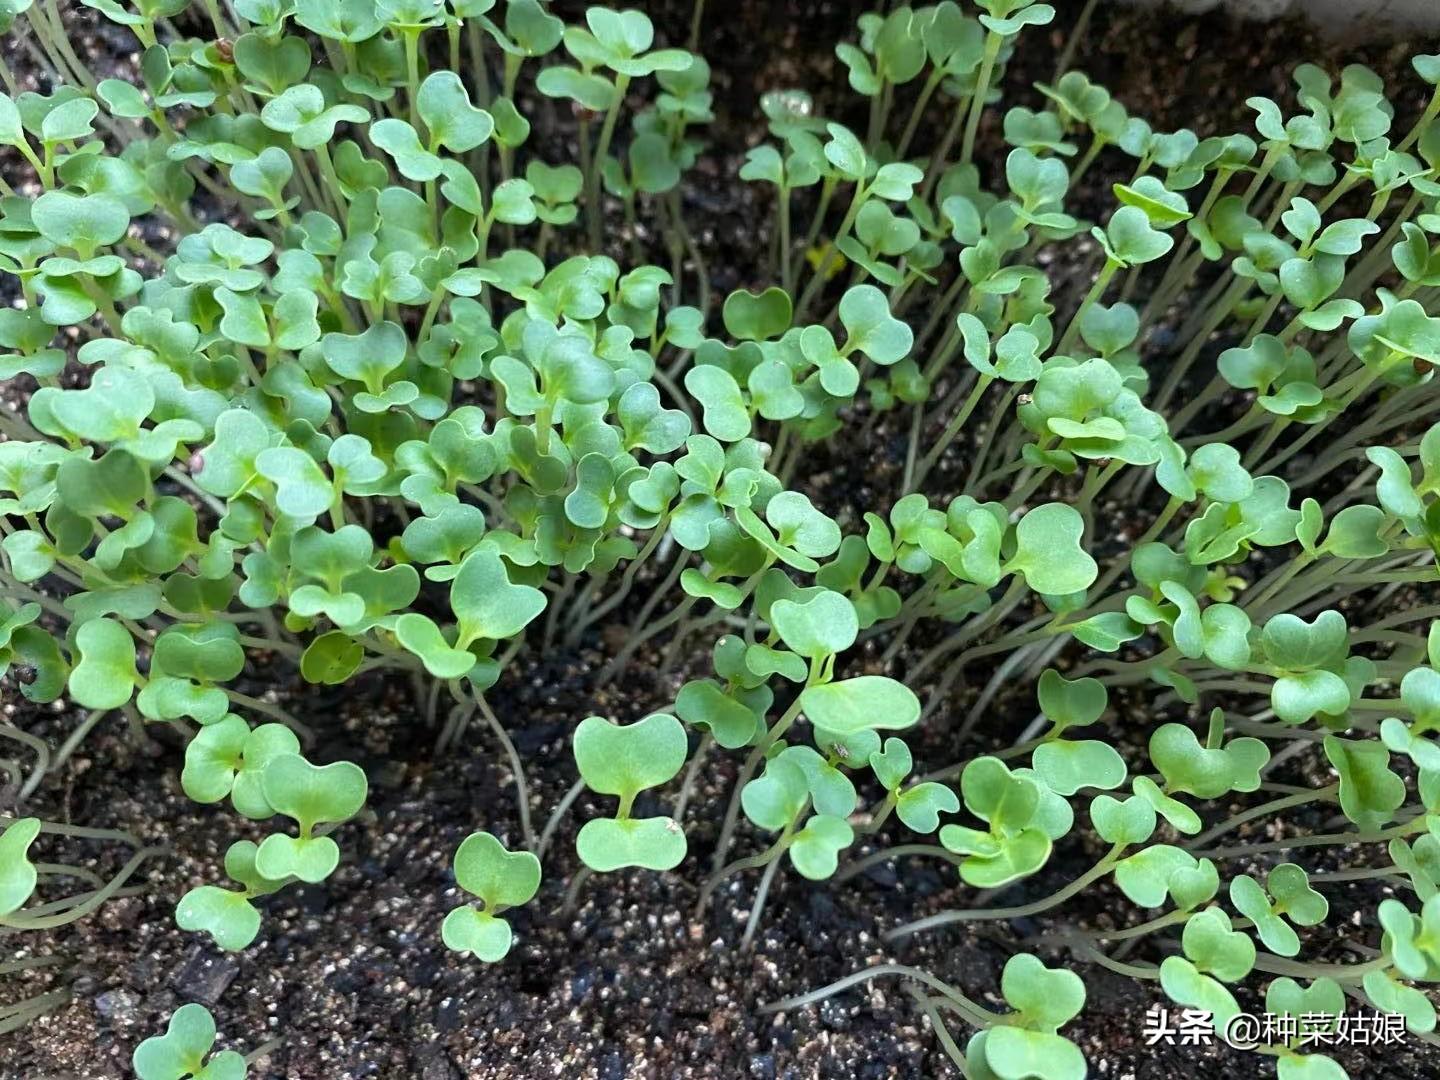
321, 362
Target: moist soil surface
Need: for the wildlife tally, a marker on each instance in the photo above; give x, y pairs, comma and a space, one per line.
351, 974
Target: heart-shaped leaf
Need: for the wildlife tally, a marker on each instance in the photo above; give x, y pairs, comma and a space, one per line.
17, 873
184, 1050
865, 702
1048, 551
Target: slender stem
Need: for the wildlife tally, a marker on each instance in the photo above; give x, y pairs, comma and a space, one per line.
692, 774
903, 971
522, 797
952, 429
572, 891
747, 770
860, 865
697, 18
1072, 40
15, 967
932, 81
1134, 971
597, 163
993, 42
942, 1033
1351, 973
627, 581
79, 873
1315, 840
556, 816
946, 918
822, 269
687, 242
82, 832
412, 74
1097, 290
21, 921
14, 1017
942, 150
275, 711
758, 907
786, 244
263, 1051
78, 736
1275, 806
748, 862
42, 757
612, 670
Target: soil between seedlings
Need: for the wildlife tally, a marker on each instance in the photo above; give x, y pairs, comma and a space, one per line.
351, 973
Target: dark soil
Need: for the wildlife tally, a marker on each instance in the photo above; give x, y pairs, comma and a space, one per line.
351, 974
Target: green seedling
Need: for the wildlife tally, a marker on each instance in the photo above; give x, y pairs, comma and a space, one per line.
310, 795
184, 1051
1016, 842
624, 761
1027, 1042
1289, 895
228, 915
500, 879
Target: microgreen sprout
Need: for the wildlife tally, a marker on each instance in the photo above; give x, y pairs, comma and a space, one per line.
185, 1051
